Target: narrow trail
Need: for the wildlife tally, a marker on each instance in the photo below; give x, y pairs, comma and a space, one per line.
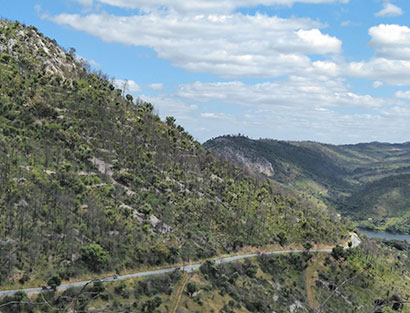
187, 268
311, 276
180, 291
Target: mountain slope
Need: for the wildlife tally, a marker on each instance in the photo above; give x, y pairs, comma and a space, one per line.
363, 180
92, 181
288, 161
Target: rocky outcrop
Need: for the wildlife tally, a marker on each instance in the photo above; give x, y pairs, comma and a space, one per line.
251, 163
26, 43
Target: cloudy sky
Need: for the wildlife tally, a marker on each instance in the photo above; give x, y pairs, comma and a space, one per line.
334, 71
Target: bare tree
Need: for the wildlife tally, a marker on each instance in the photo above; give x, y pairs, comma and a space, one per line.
125, 87
395, 302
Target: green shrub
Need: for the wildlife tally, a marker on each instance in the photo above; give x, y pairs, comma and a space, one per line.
94, 256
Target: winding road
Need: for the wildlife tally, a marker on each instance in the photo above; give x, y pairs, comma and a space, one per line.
188, 268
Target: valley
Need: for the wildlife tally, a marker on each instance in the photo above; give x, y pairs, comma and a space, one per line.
367, 182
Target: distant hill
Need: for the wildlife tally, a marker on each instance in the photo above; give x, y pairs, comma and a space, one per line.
366, 181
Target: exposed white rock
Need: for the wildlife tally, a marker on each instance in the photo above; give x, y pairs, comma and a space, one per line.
102, 166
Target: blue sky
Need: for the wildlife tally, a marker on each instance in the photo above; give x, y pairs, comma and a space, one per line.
334, 71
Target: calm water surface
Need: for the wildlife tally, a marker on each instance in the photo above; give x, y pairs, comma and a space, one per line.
384, 235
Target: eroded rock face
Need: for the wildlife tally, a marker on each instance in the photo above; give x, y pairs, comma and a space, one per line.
242, 156
253, 164
25, 43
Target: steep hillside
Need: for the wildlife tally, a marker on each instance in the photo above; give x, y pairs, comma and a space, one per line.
92, 181
363, 180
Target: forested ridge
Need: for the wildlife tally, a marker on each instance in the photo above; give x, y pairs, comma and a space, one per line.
93, 181
367, 181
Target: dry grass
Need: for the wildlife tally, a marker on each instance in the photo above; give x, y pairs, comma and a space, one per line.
311, 276
179, 292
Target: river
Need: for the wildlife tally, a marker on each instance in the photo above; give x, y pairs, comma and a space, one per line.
384, 235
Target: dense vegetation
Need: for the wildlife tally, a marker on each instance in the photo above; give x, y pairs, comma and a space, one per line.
366, 279
93, 181
365, 181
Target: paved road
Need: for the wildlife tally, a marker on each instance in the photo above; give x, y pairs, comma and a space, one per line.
188, 268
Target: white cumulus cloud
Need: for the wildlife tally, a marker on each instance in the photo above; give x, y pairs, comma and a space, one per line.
402, 94
391, 64
201, 6
156, 86
323, 43
391, 41
377, 84
233, 45
218, 116
389, 10
296, 109
296, 92
127, 85
392, 72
